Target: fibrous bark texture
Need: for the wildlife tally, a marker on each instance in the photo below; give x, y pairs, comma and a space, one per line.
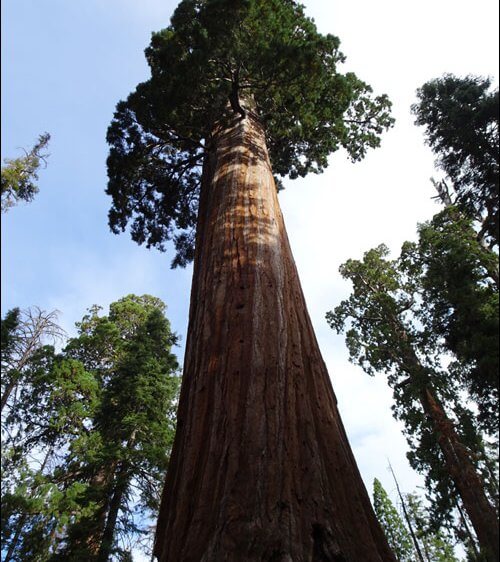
468, 482
261, 469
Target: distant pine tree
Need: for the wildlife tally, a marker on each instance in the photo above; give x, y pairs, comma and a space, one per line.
394, 528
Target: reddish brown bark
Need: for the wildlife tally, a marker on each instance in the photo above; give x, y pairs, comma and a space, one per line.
468, 482
261, 468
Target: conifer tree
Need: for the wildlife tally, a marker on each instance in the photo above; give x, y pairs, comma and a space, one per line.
85, 448
461, 120
19, 175
388, 327
123, 458
243, 92
54, 405
458, 281
394, 528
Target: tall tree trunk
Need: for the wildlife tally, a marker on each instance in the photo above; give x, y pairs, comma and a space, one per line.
115, 504
85, 536
261, 468
122, 480
468, 532
468, 482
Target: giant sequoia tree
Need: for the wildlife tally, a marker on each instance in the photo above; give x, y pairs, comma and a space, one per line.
240, 91
389, 328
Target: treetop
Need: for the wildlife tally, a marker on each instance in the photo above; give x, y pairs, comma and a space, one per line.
213, 57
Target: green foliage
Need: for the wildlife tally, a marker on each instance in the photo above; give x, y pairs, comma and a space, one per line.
389, 327
398, 537
435, 545
55, 401
92, 427
9, 325
458, 282
19, 175
460, 116
125, 456
24, 333
218, 57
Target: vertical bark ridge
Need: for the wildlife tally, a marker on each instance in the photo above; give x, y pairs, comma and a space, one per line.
467, 480
261, 469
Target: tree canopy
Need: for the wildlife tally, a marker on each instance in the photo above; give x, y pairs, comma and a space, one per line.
219, 57
460, 116
458, 282
86, 443
389, 329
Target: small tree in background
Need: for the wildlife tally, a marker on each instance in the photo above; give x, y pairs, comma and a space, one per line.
124, 457
19, 175
394, 528
88, 439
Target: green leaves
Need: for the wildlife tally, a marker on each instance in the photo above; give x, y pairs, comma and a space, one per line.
429, 320
397, 535
19, 175
213, 58
96, 418
459, 282
460, 116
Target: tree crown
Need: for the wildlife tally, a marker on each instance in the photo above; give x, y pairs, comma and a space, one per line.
460, 116
216, 58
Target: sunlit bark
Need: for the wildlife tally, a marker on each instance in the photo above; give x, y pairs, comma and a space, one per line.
261, 468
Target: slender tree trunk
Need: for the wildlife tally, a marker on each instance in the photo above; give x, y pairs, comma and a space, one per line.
407, 517
114, 508
15, 378
459, 464
85, 536
15, 539
122, 480
7, 392
472, 539
261, 469
468, 482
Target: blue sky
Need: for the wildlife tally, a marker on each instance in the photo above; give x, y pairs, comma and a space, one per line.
65, 65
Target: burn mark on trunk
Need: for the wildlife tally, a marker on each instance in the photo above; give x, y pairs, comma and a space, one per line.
325, 549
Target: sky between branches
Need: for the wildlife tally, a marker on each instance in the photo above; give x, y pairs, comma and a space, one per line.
66, 64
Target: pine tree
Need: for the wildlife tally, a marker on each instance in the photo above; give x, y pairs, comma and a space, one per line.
54, 405
85, 448
240, 91
123, 458
394, 528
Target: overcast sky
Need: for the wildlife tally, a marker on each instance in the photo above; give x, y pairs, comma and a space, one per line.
65, 65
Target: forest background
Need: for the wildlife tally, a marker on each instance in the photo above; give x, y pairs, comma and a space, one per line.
66, 64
